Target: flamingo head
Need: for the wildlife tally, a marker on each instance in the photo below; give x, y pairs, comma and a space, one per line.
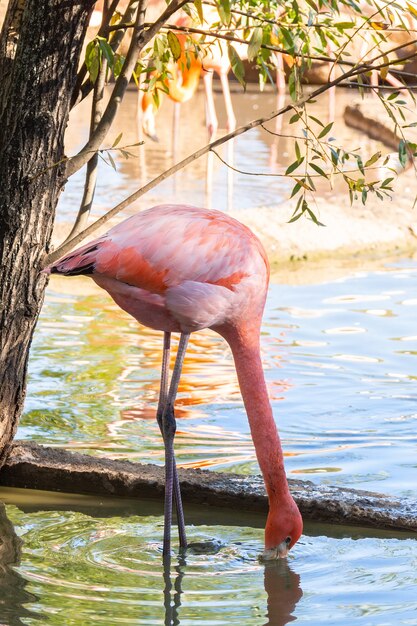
283, 529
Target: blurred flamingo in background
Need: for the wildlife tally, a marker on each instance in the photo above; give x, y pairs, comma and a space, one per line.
176, 268
181, 86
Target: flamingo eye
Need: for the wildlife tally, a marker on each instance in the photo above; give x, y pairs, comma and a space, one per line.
288, 540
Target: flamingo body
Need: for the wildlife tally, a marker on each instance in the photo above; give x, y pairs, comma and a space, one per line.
176, 268
172, 268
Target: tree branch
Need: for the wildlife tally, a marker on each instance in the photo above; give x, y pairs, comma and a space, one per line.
86, 87
97, 137
92, 165
69, 245
297, 55
139, 39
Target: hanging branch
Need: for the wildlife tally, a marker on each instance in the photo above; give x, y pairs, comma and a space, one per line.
140, 38
83, 87
103, 126
92, 165
69, 245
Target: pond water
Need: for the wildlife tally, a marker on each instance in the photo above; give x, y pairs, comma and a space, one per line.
76, 561
340, 356
205, 183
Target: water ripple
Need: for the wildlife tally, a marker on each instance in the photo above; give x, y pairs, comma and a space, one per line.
83, 569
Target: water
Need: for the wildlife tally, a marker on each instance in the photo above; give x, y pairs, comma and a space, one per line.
84, 561
256, 151
340, 360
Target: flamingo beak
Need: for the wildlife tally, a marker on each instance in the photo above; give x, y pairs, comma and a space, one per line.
152, 136
278, 552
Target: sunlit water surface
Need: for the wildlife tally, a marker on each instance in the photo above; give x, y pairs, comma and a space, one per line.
340, 358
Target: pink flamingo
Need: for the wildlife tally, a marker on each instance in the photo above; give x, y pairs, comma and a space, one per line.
176, 268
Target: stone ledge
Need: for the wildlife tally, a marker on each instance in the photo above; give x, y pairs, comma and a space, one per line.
30, 465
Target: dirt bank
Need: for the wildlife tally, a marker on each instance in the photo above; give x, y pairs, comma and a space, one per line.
377, 230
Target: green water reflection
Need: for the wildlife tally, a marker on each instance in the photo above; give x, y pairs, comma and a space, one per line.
78, 560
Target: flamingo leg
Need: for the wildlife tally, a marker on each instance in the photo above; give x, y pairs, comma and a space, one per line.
231, 118
168, 428
211, 116
163, 394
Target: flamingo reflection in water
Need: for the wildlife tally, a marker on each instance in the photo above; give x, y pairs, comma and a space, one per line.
282, 587
176, 268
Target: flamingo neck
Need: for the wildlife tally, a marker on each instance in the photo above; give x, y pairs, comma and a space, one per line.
246, 354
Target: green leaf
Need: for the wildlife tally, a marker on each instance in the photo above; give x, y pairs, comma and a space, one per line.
344, 25
294, 218
313, 5
311, 183
292, 84
325, 130
386, 182
334, 155
374, 158
403, 153
312, 215
294, 118
225, 11
237, 66
297, 213
117, 140
295, 189
364, 195
255, 43
156, 99
174, 45
199, 6
288, 39
297, 150
159, 46
316, 119
112, 163
118, 64
106, 51
92, 59
293, 166
318, 169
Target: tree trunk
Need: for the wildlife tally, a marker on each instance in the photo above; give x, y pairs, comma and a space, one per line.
39, 53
